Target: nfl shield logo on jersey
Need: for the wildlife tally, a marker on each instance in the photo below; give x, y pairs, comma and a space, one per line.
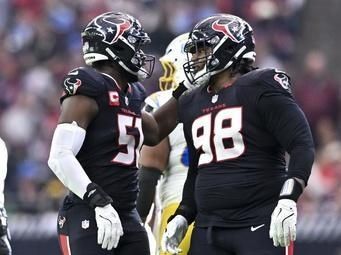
61, 221
214, 99
85, 224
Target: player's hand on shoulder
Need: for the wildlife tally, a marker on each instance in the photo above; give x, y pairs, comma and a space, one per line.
108, 221
283, 223
109, 227
175, 232
5, 247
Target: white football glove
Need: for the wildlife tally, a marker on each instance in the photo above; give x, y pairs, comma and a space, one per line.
175, 232
109, 227
283, 223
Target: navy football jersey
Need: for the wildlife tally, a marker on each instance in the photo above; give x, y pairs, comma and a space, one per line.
238, 138
114, 137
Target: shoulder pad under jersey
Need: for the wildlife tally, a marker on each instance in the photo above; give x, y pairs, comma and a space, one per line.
276, 81
82, 81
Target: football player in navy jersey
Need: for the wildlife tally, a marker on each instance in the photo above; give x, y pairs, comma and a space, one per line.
238, 124
96, 143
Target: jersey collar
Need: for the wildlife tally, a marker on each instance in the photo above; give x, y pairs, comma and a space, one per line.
116, 84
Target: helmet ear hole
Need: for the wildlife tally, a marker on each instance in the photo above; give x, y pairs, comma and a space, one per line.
117, 48
214, 62
230, 48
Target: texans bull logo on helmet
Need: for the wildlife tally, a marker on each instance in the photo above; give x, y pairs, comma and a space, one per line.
233, 29
115, 29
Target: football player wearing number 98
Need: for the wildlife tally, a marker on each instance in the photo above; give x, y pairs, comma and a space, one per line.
238, 124
95, 146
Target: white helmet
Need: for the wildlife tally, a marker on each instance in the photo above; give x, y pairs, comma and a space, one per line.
172, 63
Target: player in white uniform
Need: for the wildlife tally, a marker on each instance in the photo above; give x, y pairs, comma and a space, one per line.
5, 247
170, 157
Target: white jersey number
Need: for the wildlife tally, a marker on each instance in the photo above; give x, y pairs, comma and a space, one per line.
210, 139
128, 141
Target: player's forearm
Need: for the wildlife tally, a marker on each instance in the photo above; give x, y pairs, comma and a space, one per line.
301, 161
66, 143
166, 118
187, 207
148, 178
68, 170
302, 154
300, 164
157, 126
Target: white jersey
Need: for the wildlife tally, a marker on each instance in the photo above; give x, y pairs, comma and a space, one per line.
174, 176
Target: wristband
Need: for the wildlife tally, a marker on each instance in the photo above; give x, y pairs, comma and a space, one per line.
95, 196
186, 212
179, 90
291, 189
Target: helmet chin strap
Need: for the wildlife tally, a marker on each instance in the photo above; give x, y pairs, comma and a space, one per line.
203, 76
140, 74
233, 59
116, 58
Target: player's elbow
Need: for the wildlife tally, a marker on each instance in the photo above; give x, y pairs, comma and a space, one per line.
152, 137
301, 162
56, 156
52, 161
56, 162
151, 141
310, 153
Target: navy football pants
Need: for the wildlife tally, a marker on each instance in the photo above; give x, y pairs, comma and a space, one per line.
77, 232
234, 241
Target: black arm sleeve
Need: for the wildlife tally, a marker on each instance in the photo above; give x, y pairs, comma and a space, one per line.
148, 178
187, 207
286, 121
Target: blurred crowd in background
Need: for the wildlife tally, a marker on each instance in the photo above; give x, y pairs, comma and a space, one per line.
40, 42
